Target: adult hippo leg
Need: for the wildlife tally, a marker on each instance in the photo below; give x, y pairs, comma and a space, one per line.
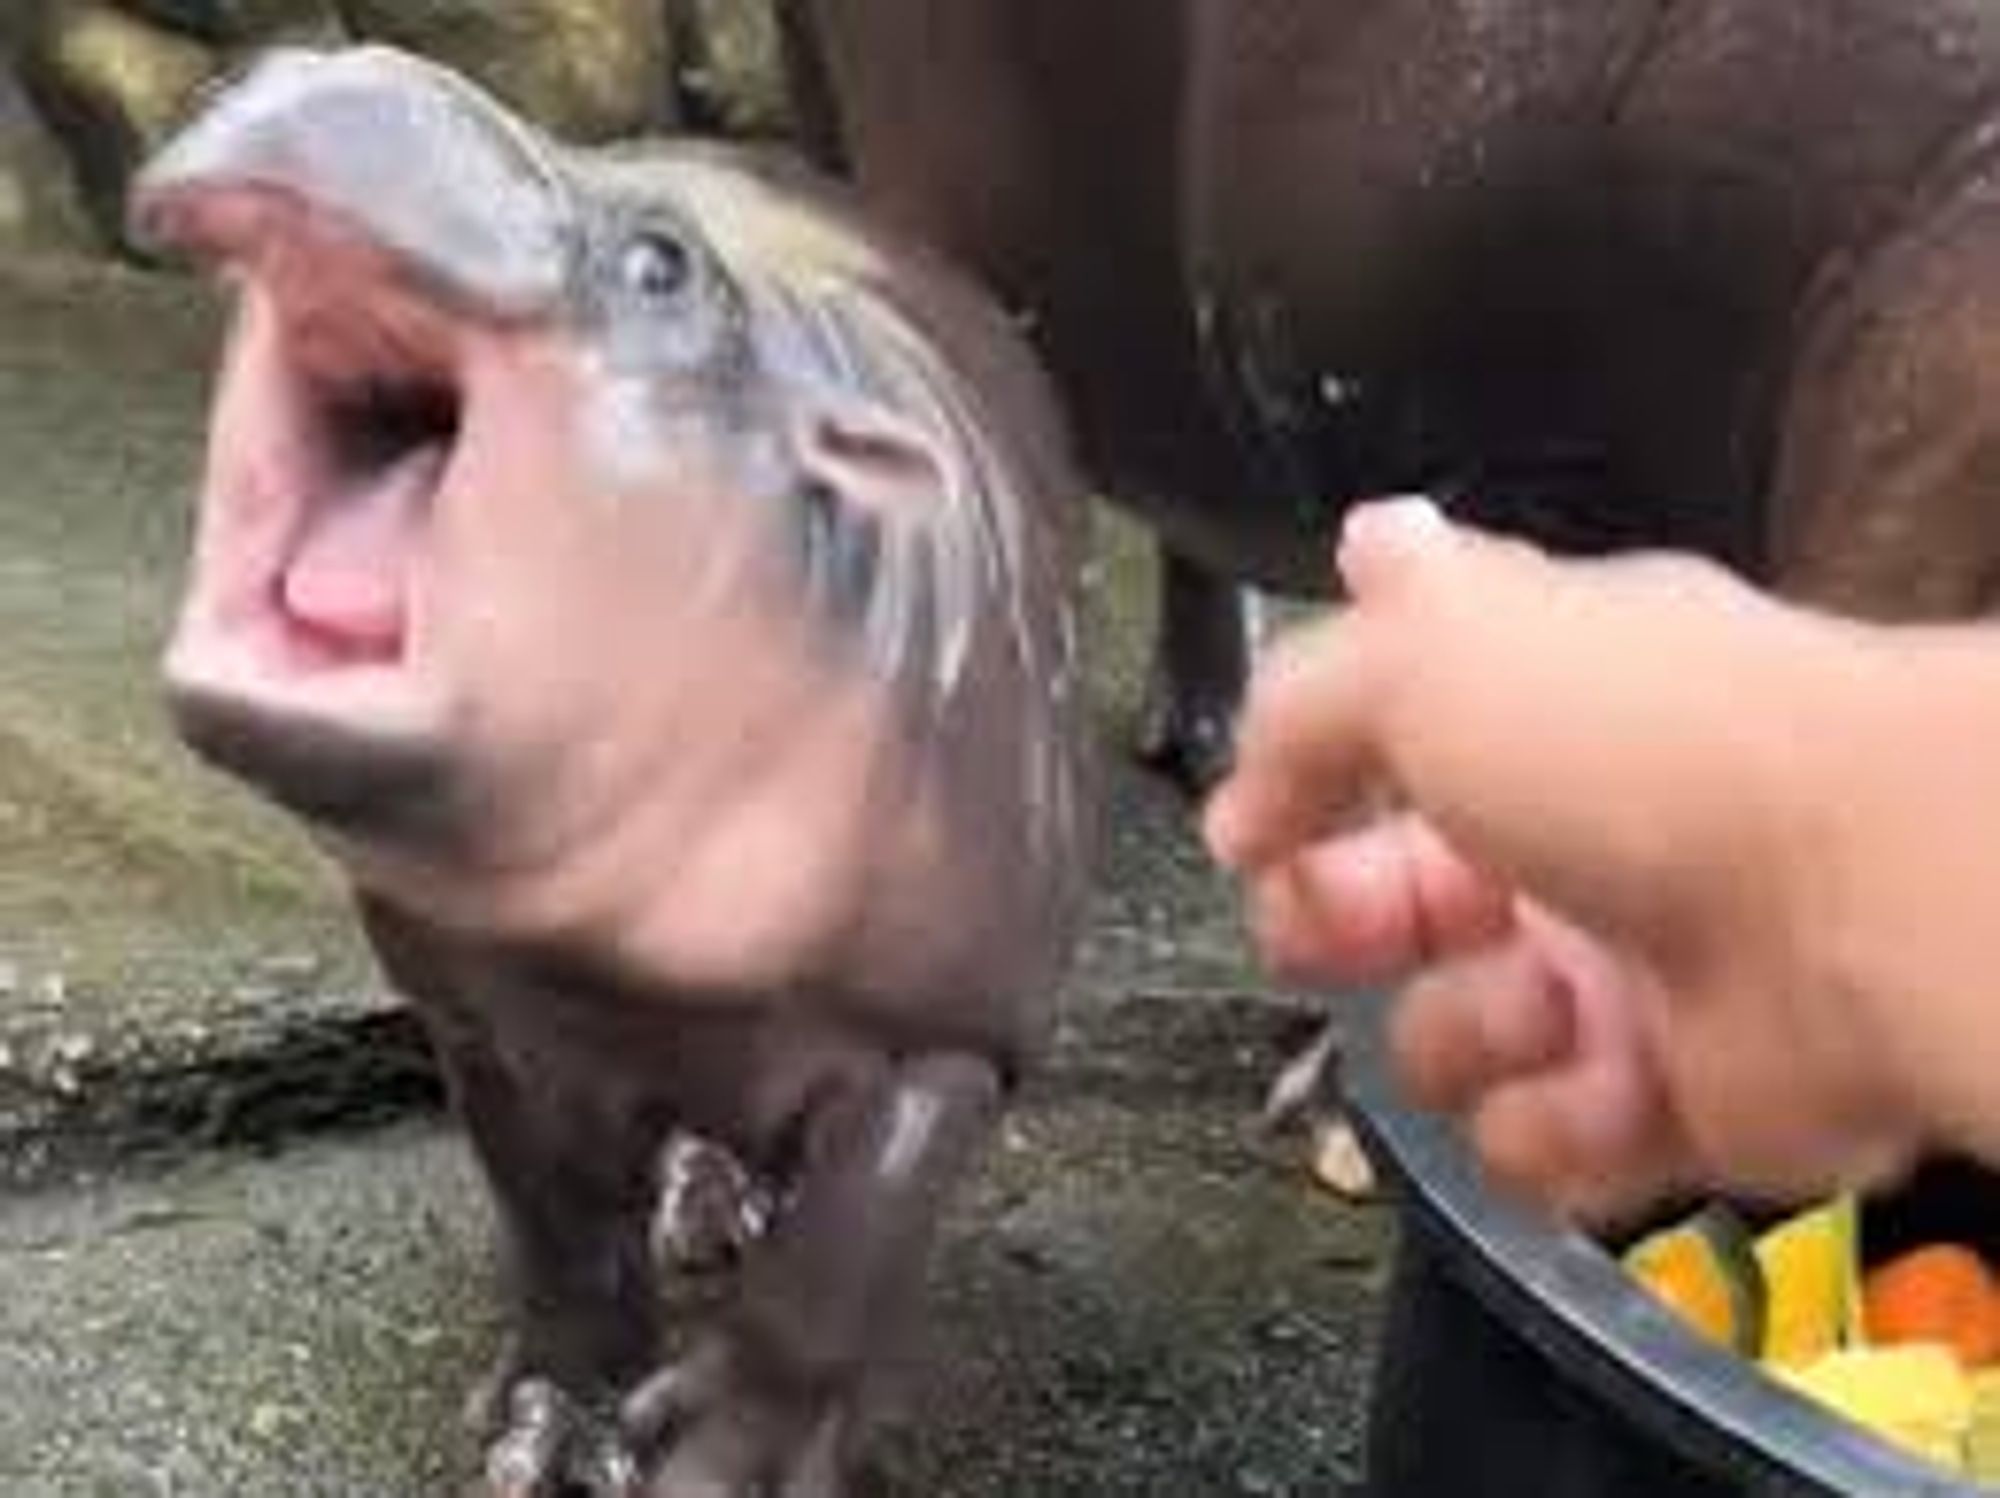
808, 88
1201, 657
768, 1404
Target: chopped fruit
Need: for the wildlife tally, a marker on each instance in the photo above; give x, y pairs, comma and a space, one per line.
1339, 1162
1705, 1271
1811, 1281
1982, 1436
1916, 1396
1942, 1293
1910, 1351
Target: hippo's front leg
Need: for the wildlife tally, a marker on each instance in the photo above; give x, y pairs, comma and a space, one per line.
768, 1404
573, 1177
1200, 662
574, 1204
573, 1192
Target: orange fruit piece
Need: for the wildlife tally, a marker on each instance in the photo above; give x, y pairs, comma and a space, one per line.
1942, 1292
1703, 1270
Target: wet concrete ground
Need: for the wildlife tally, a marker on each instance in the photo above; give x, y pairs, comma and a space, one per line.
1128, 1301
240, 1253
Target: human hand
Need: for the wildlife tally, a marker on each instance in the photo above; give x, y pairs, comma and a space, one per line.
1601, 891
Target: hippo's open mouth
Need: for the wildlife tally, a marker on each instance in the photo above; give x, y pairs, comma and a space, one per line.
377, 222
299, 660
338, 418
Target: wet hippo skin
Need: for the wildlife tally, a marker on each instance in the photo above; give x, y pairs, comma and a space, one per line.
1712, 273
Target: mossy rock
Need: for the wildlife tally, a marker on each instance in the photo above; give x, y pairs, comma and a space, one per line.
733, 67
113, 88
39, 206
588, 70
240, 23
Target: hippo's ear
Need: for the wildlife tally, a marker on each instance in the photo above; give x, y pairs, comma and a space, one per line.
874, 485
870, 458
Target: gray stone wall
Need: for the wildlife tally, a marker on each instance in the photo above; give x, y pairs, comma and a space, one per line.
88, 87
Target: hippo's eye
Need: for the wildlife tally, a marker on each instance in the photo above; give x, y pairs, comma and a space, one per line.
656, 266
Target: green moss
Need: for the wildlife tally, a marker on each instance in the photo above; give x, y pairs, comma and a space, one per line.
126, 871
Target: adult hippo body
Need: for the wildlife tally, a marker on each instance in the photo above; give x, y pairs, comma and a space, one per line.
1714, 273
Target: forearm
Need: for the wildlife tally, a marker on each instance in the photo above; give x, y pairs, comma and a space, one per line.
1899, 874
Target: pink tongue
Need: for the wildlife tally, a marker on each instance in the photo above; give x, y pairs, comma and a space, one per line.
348, 579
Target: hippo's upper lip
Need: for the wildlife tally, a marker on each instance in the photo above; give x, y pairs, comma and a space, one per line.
401, 152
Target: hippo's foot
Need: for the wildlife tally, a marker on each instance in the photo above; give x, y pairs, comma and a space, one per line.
1305, 1098
548, 1445
716, 1425
1305, 1085
768, 1402
1201, 658
711, 1209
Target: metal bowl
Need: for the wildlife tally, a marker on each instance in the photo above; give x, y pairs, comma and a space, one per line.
1518, 1359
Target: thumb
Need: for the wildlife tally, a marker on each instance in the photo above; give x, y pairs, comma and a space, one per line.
1387, 544
1305, 750
1390, 548
1532, 709
1317, 732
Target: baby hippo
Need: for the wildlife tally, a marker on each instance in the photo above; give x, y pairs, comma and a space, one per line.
654, 588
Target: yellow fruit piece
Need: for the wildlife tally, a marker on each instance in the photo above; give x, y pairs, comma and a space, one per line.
1982, 1436
1915, 1395
1703, 1270
1811, 1284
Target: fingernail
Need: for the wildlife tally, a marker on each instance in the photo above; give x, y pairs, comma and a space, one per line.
1397, 521
1386, 534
